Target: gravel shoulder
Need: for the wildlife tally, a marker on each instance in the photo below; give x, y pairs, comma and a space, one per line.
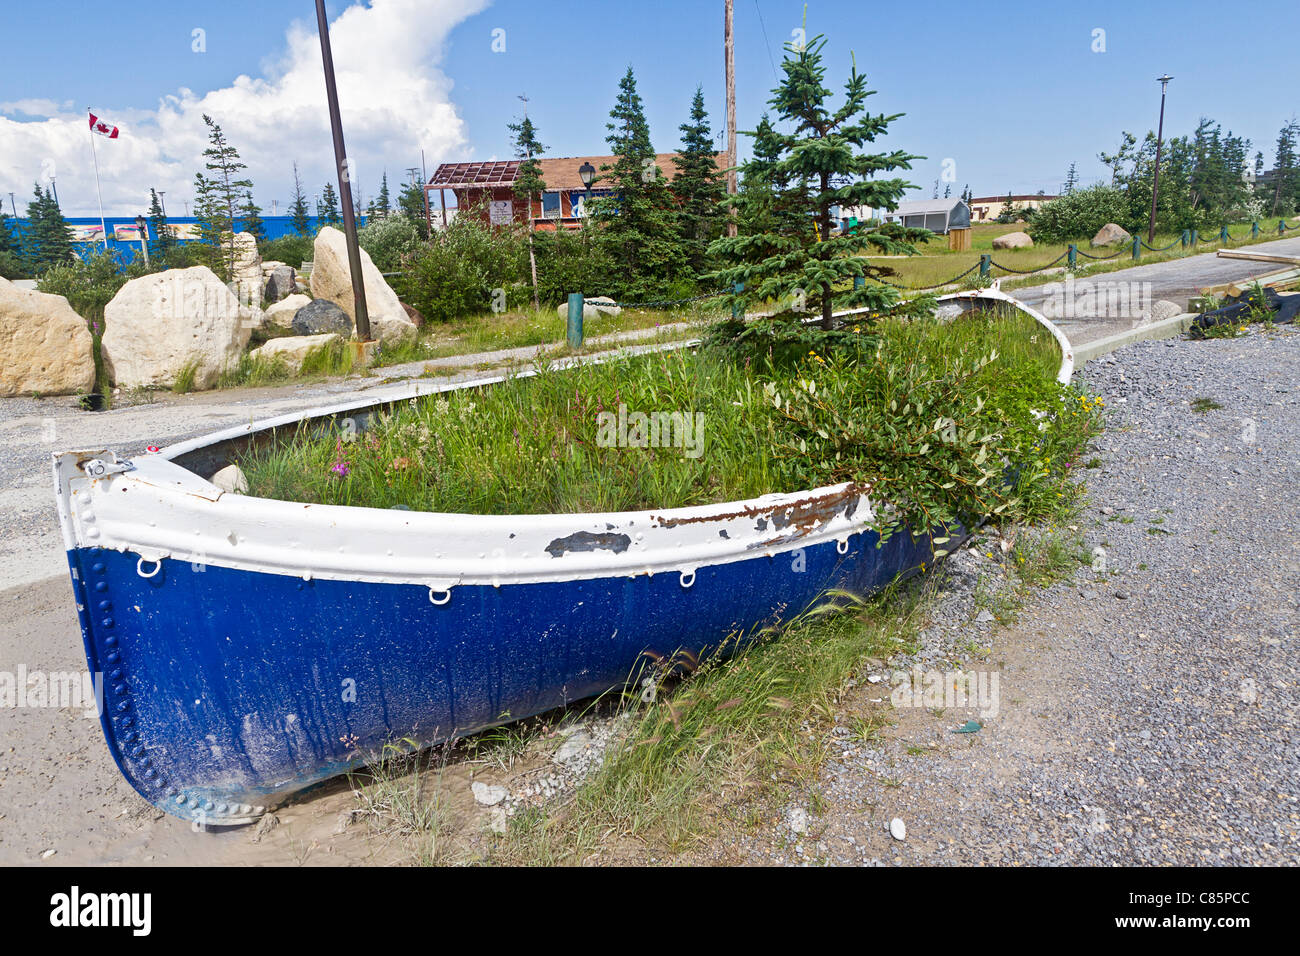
1147, 714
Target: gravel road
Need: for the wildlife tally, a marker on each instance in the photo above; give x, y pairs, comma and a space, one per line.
1148, 713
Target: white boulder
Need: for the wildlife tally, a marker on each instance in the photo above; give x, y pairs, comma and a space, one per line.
157, 324
246, 270
294, 348
1013, 240
1111, 235
331, 278
45, 345
281, 313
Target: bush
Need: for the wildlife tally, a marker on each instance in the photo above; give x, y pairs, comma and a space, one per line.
570, 261
90, 282
291, 250
387, 240
457, 271
1080, 214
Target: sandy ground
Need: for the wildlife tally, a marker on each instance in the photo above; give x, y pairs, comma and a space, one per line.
62, 800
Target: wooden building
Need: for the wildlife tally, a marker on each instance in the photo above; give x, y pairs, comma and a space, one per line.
488, 189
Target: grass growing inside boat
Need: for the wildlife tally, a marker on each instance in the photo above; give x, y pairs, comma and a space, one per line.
931, 413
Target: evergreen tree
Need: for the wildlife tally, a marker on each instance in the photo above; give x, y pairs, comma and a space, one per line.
1286, 171
251, 213
382, 204
327, 207
217, 195
410, 201
698, 188
48, 239
528, 183
822, 159
637, 222
1071, 180
299, 213
163, 240
11, 266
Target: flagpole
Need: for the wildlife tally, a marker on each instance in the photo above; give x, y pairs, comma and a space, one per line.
94, 156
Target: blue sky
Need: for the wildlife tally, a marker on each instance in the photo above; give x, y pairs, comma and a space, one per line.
1010, 92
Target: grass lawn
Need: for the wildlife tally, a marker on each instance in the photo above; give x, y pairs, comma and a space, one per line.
937, 264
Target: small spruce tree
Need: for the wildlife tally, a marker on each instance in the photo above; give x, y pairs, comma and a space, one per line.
528, 183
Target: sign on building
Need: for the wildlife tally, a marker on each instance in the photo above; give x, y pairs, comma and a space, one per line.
501, 212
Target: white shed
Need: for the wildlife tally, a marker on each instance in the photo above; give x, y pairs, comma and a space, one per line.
937, 215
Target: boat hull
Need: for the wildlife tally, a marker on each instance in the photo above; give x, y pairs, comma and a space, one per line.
226, 690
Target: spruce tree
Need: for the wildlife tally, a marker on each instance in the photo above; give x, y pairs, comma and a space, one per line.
823, 166
698, 188
528, 183
411, 203
49, 240
163, 240
11, 266
217, 196
637, 222
1286, 171
383, 203
327, 207
1071, 180
299, 213
251, 213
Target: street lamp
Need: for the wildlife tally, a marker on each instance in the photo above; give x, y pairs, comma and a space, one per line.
141, 224
1155, 182
587, 173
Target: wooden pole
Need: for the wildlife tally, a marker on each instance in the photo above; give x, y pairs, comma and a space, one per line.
1155, 180
345, 187
731, 111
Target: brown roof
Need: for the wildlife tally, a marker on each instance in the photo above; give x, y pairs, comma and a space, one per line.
559, 173
1013, 198
450, 175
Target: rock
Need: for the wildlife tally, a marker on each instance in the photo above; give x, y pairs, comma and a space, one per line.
246, 271
231, 479
264, 826
1111, 235
498, 822
1163, 309
414, 315
281, 314
270, 265
797, 820
488, 796
331, 279
603, 304
898, 829
294, 348
321, 315
279, 284
1013, 240
573, 747
984, 617
157, 324
45, 345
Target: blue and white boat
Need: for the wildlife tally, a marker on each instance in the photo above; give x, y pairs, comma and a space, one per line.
250, 647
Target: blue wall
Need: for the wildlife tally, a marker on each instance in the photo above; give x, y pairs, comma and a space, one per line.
274, 226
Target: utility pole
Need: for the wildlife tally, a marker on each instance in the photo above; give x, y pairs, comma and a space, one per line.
345, 186
1155, 181
730, 57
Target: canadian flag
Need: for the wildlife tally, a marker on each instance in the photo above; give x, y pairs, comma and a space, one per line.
97, 125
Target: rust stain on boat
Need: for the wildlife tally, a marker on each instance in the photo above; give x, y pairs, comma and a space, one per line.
801, 516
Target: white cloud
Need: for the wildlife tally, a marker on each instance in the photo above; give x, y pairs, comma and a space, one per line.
393, 97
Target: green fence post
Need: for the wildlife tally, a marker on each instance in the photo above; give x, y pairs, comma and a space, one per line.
1184, 237
737, 311
575, 320
1194, 239
1223, 234
1137, 247
858, 283
1281, 226
1071, 256
1254, 230
985, 258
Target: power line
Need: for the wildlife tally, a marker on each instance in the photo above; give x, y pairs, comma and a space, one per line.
766, 42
